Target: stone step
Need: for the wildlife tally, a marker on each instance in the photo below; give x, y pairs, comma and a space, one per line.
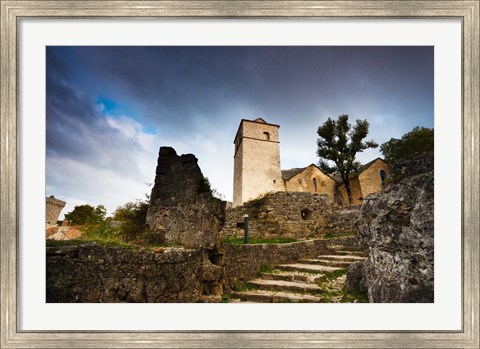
281, 285
292, 276
262, 296
343, 258
312, 268
352, 253
325, 262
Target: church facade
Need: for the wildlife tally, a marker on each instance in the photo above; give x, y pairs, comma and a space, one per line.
257, 170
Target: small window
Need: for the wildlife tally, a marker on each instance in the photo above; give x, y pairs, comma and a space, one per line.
267, 135
383, 175
305, 213
274, 181
314, 184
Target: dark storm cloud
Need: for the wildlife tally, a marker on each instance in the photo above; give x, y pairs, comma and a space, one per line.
173, 85
110, 108
75, 129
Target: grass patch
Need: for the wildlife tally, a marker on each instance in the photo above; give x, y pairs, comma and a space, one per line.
59, 243
244, 287
265, 269
252, 241
351, 297
332, 293
334, 274
226, 298
333, 236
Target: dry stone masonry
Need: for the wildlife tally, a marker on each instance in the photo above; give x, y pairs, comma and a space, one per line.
93, 273
289, 215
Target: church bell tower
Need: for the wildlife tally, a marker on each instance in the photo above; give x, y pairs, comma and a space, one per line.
256, 160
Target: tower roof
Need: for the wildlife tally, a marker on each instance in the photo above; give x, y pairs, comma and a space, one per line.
257, 120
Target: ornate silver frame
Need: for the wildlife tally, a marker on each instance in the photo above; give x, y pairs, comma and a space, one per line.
467, 11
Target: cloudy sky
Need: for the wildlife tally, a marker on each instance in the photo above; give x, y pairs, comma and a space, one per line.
109, 109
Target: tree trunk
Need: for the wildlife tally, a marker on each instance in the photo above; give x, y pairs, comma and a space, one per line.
349, 190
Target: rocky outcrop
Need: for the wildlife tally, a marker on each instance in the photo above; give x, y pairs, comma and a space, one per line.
396, 226
182, 209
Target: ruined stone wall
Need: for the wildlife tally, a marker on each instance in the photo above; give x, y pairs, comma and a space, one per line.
182, 208
96, 273
287, 214
303, 182
370, 179
242, 262
53, 207
256, 161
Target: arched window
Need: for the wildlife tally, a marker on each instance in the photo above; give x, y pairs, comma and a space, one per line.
383, 175
267, 135
314, 184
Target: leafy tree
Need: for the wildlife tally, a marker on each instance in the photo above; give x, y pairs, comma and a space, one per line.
132, 217
420, 139
84, 214
339, 143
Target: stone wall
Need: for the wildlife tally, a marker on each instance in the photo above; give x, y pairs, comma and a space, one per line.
396, 226
370, 179
367, 181
93, 273
356, 193
242, 262
182, 209
288, 214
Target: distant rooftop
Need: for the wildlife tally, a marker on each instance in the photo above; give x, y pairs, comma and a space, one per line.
287, 174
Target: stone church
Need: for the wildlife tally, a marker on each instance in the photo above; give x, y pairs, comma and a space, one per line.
257, 170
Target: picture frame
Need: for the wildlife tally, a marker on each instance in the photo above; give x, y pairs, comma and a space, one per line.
13, 11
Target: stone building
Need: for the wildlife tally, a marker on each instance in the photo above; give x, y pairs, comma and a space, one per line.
53, 207
256, 161
257, 170
364, 182
310, 179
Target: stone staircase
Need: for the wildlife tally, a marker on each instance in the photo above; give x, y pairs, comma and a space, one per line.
296, 282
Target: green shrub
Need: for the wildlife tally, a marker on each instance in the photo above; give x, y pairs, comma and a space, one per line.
132, 217
204, 185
